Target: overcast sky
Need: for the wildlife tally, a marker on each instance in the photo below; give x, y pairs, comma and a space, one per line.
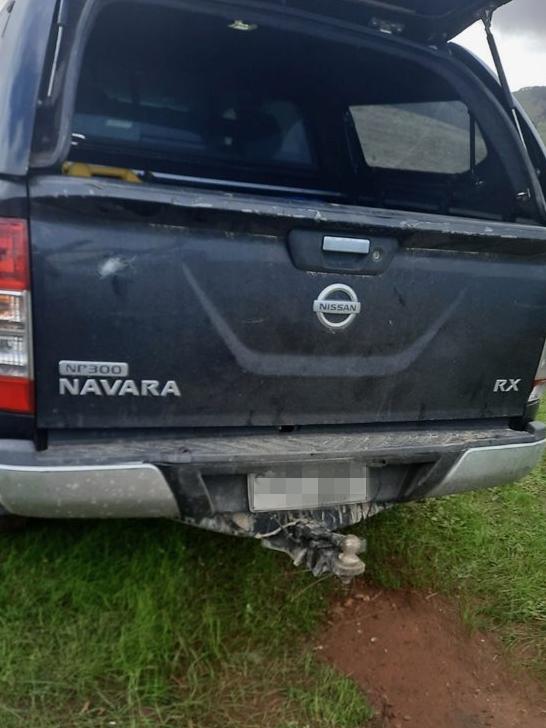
520, 29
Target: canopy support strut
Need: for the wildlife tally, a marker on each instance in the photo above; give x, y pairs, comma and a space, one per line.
508, 95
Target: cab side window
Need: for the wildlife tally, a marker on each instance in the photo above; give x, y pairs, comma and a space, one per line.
435, 136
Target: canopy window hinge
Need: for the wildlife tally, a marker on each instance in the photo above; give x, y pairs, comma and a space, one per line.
60, 24
387, 26
509, 99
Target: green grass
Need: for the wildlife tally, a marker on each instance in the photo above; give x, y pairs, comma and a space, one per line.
143, 624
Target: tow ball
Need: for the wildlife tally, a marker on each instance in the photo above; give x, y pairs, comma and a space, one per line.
349, 564
319, 550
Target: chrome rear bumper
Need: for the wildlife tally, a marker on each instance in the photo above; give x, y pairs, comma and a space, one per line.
486, 467
96, 481
131, 490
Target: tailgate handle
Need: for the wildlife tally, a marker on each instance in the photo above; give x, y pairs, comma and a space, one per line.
331, 244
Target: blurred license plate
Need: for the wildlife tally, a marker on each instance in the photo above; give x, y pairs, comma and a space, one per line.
308, 486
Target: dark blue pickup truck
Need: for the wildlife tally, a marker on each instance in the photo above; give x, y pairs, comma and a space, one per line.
266, 266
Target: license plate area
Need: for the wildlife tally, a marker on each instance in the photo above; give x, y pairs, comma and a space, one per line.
308, 486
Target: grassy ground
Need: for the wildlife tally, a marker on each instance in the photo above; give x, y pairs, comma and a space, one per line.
154, 624
146, 624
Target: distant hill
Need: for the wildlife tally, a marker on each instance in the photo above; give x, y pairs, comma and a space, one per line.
533, 100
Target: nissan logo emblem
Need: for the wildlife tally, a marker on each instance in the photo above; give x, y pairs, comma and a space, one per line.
337, 312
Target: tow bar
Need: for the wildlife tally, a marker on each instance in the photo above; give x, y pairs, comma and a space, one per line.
319, 550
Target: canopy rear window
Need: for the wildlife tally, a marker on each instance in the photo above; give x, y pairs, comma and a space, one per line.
208, 101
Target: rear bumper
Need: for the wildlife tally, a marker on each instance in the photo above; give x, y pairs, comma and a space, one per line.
198, 478
127, 490
486, 467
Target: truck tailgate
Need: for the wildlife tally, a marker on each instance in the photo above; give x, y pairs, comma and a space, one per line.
210, 301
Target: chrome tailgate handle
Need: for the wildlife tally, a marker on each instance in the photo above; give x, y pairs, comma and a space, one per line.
332, 244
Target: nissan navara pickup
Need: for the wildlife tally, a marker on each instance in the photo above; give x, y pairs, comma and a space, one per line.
267, 267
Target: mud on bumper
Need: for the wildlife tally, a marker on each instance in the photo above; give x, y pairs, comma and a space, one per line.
202, 479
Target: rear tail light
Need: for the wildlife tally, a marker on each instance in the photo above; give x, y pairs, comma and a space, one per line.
540, 378
16, 373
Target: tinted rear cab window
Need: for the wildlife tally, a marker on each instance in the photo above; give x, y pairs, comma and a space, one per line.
164, 91
420, 137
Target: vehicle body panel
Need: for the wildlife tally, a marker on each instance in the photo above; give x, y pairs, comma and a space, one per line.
173, 292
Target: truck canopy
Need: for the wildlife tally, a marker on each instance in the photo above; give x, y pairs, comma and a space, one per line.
420, 20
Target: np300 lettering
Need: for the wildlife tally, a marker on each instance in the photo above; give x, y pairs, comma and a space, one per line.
93, 369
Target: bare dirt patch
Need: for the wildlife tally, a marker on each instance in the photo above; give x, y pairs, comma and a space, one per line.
420, 666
